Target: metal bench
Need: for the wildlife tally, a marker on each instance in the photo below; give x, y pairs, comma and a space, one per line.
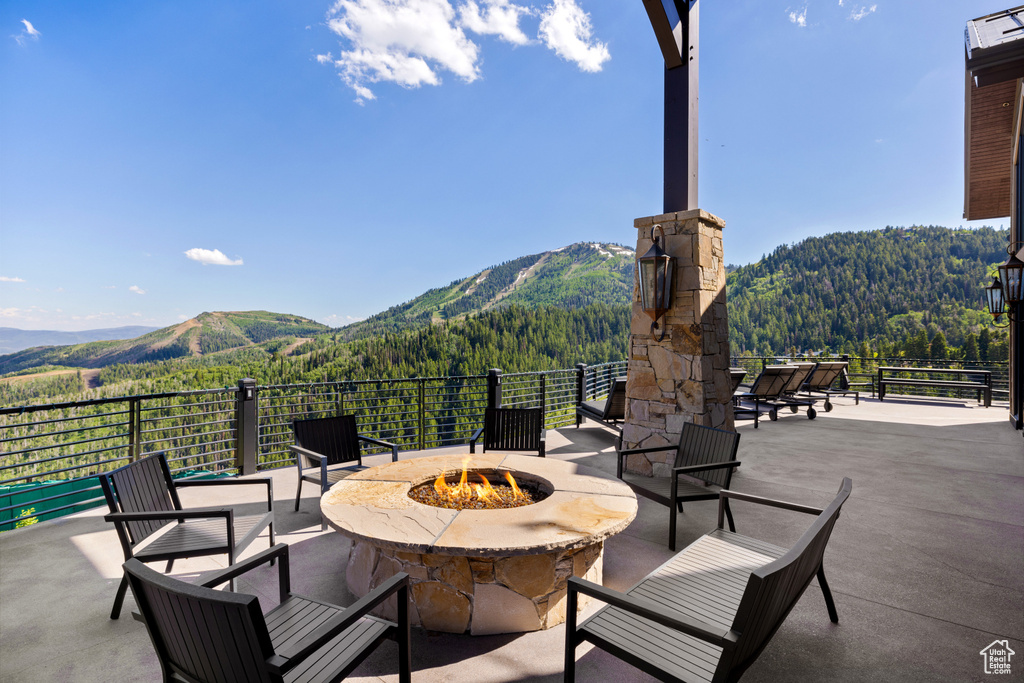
709, 612
982, 387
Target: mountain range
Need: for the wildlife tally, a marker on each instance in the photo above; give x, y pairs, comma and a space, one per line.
13, 339
835, 292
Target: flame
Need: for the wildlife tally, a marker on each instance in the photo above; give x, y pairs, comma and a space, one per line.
512, 482
465, 493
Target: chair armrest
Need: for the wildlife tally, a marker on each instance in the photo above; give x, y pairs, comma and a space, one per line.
311, 456
648, 609
473, 439
700, 468
279, 551
266, 481
190, 513
725, 494
380, 442
222, 482
771, 502
652, 449
289, 657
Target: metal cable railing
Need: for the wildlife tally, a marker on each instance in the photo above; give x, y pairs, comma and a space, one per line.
862, 372
52, 453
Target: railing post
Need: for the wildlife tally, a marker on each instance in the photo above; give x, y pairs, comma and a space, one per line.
581, 383
422, 415
247, 427
134, 429
494, 388
543, 397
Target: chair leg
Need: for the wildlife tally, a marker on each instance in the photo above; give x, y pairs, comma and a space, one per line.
728, 515
672, 526
829, 603
170, 565
404, 638
119, 597
298, 492
569, 667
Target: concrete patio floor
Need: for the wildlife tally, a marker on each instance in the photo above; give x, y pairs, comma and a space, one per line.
926, 562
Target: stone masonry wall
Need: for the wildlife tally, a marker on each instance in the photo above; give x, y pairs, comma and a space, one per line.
685, 376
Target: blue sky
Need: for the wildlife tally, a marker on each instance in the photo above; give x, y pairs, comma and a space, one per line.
332, 159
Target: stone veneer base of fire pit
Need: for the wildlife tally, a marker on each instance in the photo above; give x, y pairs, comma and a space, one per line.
481, 571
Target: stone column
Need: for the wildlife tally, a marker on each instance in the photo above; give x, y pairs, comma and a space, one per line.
685, 376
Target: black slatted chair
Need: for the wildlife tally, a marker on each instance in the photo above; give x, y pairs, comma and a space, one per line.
201, 634
611, 412
143, 499
710, 611
328, 449
705, 454
511, 429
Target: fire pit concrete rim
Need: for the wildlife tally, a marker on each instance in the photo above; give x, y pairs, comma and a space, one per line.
585, 507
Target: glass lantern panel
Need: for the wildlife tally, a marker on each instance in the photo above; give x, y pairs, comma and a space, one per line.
1012, 280
648, 284
664, 283
995, 299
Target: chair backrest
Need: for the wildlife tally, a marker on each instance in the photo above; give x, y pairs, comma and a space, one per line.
335, 438
824, 375
736, 375
773, 590
699, 445
772, 380
803, 371
204, 634
615, 406
142, 486
512, 429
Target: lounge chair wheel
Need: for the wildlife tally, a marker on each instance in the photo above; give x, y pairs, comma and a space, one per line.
793, 409
811, 413
828, 407
774, 415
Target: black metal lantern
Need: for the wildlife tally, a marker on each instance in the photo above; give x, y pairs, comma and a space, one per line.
656, 270
994, 298
1012, 275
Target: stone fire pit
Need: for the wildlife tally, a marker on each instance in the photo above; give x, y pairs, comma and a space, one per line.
479, 571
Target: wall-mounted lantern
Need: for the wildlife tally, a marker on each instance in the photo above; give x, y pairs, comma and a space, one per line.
1005, 293
656, 270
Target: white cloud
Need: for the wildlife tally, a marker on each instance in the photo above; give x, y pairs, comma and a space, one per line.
136, 289
840, 3
411, 42
799, 18
859, 13
402, 41
211, 257
4, 278
565, 28
29, 32
497, 17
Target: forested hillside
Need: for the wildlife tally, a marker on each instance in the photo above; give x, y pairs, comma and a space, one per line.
914, 292
571, 277
879, 287
205, 334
